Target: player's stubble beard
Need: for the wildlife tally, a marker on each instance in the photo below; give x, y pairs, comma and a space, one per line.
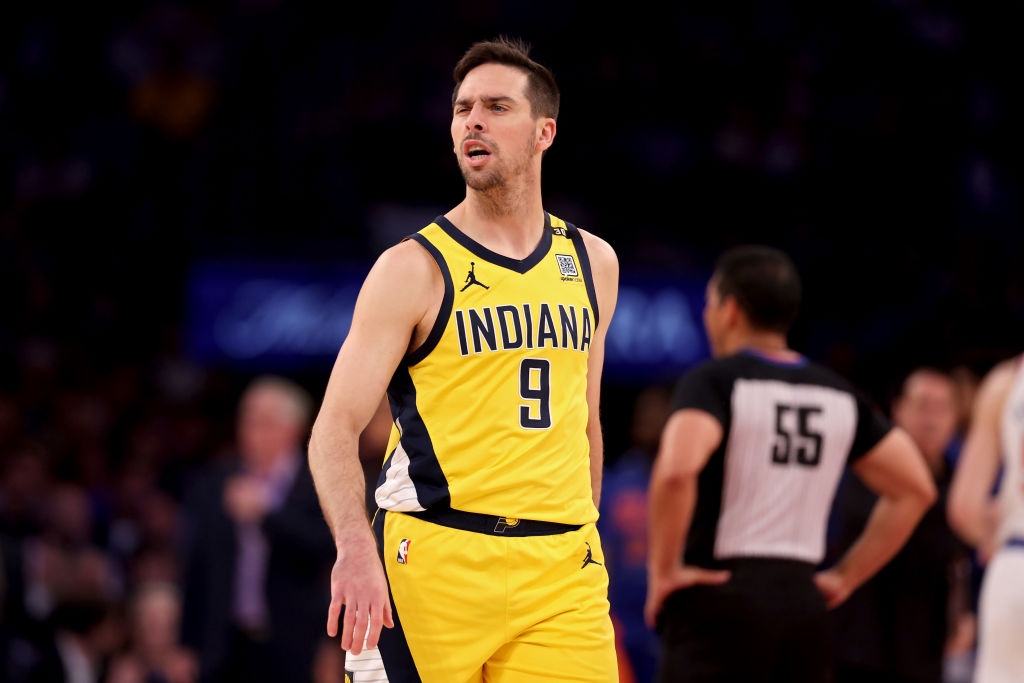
498, 188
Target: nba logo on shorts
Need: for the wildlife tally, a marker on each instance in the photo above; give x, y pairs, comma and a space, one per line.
567, 265
403, 551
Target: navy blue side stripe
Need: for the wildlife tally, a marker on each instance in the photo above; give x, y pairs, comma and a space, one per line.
588, 277
424, 469
394, 648
446, 304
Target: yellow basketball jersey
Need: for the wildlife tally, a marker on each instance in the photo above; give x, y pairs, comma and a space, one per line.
491, 411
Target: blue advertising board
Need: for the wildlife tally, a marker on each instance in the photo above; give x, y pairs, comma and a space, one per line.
273, 317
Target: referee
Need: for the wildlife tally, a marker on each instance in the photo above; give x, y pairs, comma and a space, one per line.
742, 487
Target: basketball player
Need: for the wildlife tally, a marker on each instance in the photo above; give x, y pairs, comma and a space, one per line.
997, 427
742, 487
487, 329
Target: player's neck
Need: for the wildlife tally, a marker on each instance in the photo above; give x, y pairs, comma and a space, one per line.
509, 222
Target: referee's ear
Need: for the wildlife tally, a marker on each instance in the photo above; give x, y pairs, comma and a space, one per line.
732, 314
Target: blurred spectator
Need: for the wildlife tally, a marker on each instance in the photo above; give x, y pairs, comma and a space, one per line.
897, 627
24, 480
86, 631
623, 525
966, 383
155, 655
257, 548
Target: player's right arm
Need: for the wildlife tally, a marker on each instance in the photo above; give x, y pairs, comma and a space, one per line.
399, 292
896, 471
969, 494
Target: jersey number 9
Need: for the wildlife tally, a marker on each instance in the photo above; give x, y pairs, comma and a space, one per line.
535, 386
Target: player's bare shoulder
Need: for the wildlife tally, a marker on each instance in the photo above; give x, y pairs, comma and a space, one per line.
602, 255
408, 257
404, 283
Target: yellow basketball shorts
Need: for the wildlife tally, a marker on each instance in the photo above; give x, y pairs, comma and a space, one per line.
509, 601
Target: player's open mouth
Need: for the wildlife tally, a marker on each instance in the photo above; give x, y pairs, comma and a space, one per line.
476, 152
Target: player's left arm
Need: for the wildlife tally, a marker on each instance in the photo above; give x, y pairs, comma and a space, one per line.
604, 268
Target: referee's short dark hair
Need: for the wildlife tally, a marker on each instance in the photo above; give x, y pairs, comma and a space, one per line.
764, 283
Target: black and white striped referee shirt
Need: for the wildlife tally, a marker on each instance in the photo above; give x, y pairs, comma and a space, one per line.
789, 430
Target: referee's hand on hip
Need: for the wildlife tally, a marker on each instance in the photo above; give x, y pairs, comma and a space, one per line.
660, 586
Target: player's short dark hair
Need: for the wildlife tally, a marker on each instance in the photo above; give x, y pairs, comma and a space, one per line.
541, 89
764, 283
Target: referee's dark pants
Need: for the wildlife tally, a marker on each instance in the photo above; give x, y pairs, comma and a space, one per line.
768, 623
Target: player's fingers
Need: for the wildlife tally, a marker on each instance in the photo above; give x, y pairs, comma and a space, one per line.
389, 620
332, 617
376, 624
359, 628
346, 627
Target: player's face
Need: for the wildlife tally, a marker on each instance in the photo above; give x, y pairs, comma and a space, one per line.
493, 129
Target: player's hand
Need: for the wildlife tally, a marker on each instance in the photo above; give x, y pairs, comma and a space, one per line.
682, 576
833, 585
358, 583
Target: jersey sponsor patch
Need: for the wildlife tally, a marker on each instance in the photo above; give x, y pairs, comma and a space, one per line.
403, 551
567, 265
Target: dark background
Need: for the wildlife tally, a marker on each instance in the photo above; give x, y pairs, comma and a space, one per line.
873, 141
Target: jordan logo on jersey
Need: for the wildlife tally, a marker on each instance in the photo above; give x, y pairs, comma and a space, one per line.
471, 278
589, 559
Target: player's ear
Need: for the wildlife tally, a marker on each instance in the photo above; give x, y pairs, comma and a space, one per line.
545, 133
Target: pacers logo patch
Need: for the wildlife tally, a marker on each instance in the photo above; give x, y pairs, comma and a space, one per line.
567, 265
403, 551
505, 523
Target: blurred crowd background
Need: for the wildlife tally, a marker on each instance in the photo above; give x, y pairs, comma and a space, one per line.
871, 141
